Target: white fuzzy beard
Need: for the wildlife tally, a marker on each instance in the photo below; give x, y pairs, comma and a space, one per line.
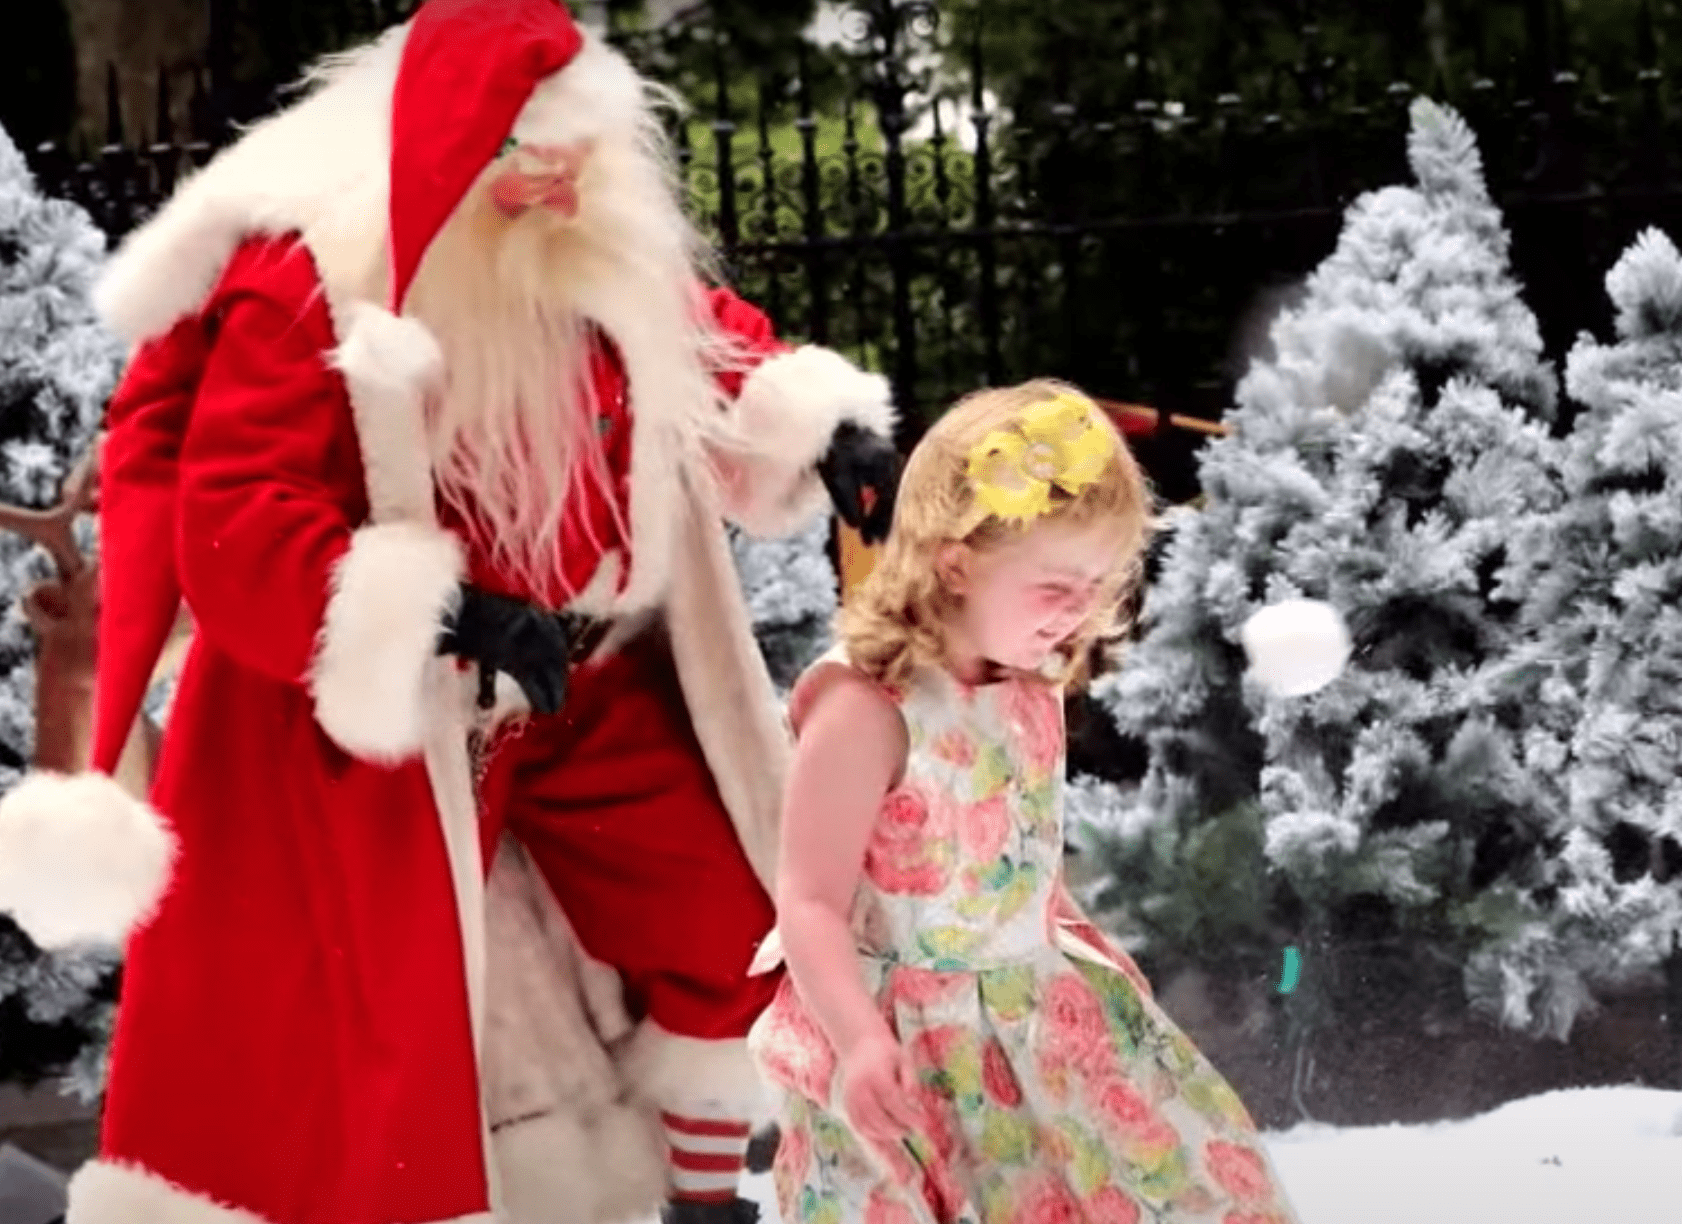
512, 304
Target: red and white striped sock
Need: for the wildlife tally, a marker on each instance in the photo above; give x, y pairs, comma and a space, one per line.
706, 1156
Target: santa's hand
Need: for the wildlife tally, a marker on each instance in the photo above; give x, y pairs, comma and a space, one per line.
861, 472
516, 638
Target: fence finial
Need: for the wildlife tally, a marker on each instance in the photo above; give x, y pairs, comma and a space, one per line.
164, 129
113, 106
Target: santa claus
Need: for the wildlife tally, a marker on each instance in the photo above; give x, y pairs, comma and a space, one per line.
434, 430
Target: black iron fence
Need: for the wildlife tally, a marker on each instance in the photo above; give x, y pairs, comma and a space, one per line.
872, 194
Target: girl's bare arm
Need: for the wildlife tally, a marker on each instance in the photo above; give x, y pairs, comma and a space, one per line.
851, 751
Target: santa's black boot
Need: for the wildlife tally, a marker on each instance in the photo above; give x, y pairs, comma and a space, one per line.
762, 1149
698, 1211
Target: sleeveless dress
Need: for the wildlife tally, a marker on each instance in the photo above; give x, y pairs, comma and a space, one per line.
1052, 1088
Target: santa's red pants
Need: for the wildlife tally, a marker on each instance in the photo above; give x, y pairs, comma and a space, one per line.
614, 801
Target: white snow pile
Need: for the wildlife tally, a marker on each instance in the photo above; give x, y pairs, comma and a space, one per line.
1606, 1155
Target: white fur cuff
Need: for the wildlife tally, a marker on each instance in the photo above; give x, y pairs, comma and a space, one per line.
81, 860
695, 1077
391, 593
787, 412
106, 1192
791, 403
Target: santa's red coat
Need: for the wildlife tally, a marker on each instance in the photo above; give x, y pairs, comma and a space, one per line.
294, 1036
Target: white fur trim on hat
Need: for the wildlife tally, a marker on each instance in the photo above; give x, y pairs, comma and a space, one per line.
81, 860
109, 1192
391, 593
695, 1077
1296, 647
787, 413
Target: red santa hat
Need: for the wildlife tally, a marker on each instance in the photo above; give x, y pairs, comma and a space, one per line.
469, 67
82, 860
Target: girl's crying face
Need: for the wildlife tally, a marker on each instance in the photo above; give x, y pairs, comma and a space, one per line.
540, 176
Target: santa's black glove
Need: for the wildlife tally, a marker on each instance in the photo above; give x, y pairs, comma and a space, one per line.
513, 637
861, 472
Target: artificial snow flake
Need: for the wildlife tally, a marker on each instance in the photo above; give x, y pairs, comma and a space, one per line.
790, 590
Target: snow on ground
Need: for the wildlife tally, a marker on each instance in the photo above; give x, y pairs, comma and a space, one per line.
1588, 1156
1607, 1155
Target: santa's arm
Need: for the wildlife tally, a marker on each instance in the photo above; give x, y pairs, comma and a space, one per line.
787, 404
276, 563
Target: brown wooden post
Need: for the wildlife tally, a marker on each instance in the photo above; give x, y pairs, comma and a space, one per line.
63, 613
857, 558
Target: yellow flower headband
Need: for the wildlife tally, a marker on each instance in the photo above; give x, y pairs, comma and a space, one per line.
1054, 442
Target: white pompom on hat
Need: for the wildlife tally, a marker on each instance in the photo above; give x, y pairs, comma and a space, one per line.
1296, 646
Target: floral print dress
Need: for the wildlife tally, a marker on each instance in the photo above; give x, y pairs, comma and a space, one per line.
1052, 1088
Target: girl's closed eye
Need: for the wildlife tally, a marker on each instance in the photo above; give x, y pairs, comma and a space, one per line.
1052, 598
1061, 594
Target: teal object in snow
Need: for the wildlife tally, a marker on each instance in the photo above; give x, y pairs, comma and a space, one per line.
1293, 971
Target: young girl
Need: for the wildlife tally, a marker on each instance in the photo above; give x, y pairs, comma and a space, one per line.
954, 1041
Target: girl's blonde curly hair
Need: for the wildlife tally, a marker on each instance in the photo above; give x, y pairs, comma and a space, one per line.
895, 621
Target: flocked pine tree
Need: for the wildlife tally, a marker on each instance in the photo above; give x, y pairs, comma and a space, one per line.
1381, 457
57, 365
791, 596
1600, 671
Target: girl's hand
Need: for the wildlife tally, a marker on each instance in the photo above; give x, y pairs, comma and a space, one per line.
877, 1090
